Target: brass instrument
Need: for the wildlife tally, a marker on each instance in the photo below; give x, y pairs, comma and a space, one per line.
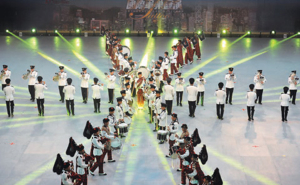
56, 77
25, 76
260, 77
2, 74
294, 78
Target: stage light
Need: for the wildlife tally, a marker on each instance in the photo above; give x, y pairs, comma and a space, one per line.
7, 31
199, 32
55, 31
77, 30
33, 30
224, 31
175, 31
248, 32
273, 32
127, 30
299, 33
152, 31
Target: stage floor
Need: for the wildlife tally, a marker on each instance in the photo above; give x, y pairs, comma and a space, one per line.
265, 151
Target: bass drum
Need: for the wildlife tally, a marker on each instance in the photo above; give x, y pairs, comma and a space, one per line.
116, 143
126, 50
145, 71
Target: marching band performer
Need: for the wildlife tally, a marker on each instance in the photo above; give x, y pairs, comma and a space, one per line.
113, 122
114, 57
97, 95
250, 102
180, 56
157, 108
284, 97
179, 88
196, 44
195, 166
9, 92
220, 94
293, 81
139, 85
174, 61
62, 81
69, 91
120, 113
189, 51
151, 102
80, 163
108, 135
169, 96
180, 139
32, 79
84, 85
125, 105
201, 88
230, 78
259, 81
66, 175
192, 92
39, 94
5, 74
128, 94
111, 85
172, 128
98, 152
165, 66
183, 154
162, 119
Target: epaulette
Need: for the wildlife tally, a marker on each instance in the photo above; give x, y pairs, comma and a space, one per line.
12, 86
35, 71
93, 84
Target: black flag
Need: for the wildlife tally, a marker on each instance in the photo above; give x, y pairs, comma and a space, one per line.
216, 177
203, 156
195, 138
88, 130
58, 165
71, 150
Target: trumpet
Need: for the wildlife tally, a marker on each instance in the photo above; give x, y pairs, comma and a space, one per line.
56, 77
25, 76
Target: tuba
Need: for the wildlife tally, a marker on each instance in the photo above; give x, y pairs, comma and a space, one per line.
25, 76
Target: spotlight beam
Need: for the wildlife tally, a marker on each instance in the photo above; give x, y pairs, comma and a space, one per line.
150, 45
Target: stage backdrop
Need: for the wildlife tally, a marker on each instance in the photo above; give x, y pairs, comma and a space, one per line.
163, 15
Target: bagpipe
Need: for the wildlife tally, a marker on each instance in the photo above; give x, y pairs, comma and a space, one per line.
71, 150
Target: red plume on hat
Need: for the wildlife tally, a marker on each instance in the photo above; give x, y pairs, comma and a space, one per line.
72, 147
88, 130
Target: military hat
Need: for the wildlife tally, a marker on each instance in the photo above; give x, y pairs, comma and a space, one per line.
195, 156
126, 69
84, 69
187, 138
139, 73
163, 105
127, 84
131, 64
184, 126
96, 129
80, 147
119, 99
174, 46
96, 80
174, 115
105, 120
4, 66
111, 69
151, 72
126, 54
32, 67
221, 85
169, 79
251, 86
120, 49
178, 74
157, 92
127, 78
69, 80
7, 81
292, 71
152, 86
111, 109
115, 44
230, 69
123, 92
201, 73
151, 79
260, 71
61, 67
66, 165
160, 58
130, 58
39, 78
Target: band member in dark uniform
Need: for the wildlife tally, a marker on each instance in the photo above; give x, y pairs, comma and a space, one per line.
196, 46
189, 51
180, 56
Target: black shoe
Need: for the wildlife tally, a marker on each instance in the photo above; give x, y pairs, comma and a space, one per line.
109, 102
111, 161
179, 170
154, 130
177, 105
285, 120
8, 115
60, 100
168, 156
282, 120
255, 101
149, 122
112, 102
294, 103
193, 116
99, 111
102, 174
202, 105
230, 103
73, 114
161, 142
95, 111
221, 118
249, 119
260, 103
190, 115
252, 119
12, 115
226, 102
43, 114
180, 104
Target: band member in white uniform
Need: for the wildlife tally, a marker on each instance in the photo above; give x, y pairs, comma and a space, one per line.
111, 85
172, 128
5, 74
259, 81
62, 81
69, 91
120, 112
84, 85
31, 82
173, 59
128, 94
39, 95
66, 175
162, 119
169, 95
293, 81
97, 87
284, 97
151, 102
220, 94
230, 78
125, 105
107, 135
113, 122
179, 88
157, 108
251, 96
9, 92
201, 88
192, 92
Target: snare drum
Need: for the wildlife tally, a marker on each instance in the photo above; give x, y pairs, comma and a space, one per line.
162, 135
123, 128
173, 153
127, 120
116, 143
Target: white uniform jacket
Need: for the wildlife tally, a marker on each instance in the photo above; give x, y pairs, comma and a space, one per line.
285, 98
85, 80
201, 84
220, 94
230, 80
119, 112
96, 91
5, 76
9, 92
69, 91
112, 121
174, 57
157, 104
293, 86
173, 129
39, 90
186, 154
128, 95
192, 92
81, 164
179, 85
165, 63
125, 105
111, 82
162, 117
251, 96
170, 92
62, 81
258, 84
65, 180
32, 77
98, 146
151, 97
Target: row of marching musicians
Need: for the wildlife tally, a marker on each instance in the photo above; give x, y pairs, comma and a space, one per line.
104, 141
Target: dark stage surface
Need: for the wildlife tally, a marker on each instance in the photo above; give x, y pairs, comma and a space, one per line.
265, 151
